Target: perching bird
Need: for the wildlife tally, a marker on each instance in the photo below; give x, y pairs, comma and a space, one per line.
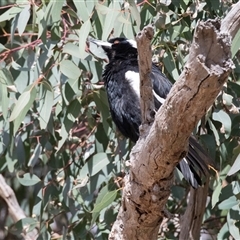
122, 83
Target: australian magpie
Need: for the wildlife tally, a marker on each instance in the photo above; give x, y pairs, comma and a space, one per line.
122, 83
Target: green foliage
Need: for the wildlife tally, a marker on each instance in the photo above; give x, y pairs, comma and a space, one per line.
59, 149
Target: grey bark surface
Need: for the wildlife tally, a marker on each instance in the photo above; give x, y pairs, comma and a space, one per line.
147, 186
15, 211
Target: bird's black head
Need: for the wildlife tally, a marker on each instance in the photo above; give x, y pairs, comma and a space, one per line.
118, 48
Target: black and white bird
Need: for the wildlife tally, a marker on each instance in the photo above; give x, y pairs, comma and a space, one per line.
122, 83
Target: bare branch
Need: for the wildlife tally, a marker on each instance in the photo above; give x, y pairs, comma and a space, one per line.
14, 209
145, 67
230, 23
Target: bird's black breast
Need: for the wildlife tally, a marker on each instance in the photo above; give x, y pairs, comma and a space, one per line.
123, 101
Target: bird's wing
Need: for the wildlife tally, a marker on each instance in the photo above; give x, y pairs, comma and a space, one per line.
196, 151
189, 173
161, 84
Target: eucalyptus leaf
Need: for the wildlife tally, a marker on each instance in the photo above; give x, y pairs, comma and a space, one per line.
4, 100
35, 156
110, 19
216, 193
83, 34
22, 106
233, 229
135, 13
228, 203
105, 201
11, 13
69, 69
94, 165
26, 224
2, 47
224, 118
28, 179
82, 10
170, 65
71, 49
235, 44
46, 104
235, 167
23, 19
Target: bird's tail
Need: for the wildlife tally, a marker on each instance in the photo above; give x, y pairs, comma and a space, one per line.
195, 164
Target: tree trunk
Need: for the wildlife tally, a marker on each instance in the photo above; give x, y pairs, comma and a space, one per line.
164, 143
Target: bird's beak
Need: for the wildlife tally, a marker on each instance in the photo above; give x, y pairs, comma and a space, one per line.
100, 49
100, 43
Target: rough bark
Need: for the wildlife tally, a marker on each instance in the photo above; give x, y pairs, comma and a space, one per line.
15, 211
147, 186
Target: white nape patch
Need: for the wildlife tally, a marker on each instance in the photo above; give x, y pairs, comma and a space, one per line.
161, 100
134, 81
133, 43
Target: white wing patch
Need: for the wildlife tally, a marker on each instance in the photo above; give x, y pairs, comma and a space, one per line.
134, 81
161, 100
133, 43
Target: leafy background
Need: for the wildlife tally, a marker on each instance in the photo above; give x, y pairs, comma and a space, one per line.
59, 149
